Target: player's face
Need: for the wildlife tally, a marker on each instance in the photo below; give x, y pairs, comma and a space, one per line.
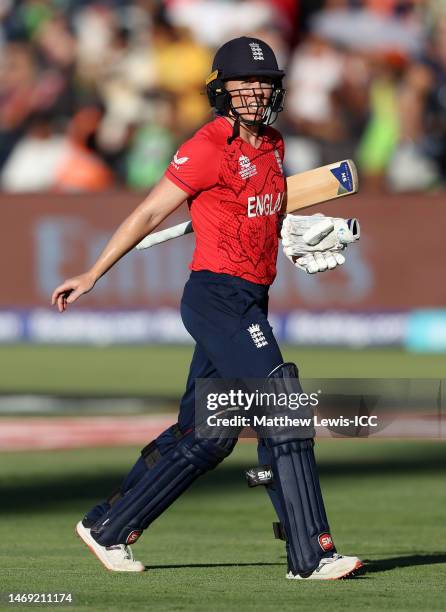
250, 96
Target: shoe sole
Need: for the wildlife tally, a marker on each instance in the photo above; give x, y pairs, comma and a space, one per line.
356, 571
85, 539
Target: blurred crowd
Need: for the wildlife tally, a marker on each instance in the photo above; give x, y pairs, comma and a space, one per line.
98, 94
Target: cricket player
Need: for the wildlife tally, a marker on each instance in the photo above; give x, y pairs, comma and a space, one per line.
231, 174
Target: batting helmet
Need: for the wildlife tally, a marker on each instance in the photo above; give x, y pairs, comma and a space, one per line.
245, 57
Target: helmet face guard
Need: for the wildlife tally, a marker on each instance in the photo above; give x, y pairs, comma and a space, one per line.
264, 113
236, 60
235, 102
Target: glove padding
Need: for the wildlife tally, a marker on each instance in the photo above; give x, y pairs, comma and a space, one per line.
313, 243
319, 262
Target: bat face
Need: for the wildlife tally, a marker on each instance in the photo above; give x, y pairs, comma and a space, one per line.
325, 183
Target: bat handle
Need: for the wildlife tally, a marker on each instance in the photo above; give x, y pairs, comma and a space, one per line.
166, 234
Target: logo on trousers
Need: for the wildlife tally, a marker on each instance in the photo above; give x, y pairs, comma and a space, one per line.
257, 335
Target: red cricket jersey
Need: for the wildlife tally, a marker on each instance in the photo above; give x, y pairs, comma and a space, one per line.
236, 195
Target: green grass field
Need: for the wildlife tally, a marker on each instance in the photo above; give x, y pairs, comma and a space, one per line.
163, 370
213, 550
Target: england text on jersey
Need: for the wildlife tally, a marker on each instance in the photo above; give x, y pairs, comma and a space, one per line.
264, 204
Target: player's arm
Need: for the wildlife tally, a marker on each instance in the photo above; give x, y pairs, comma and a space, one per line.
161, 201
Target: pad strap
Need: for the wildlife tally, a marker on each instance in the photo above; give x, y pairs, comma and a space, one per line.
279, 531
260, 475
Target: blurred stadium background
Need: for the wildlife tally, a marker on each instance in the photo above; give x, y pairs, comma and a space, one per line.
95, 97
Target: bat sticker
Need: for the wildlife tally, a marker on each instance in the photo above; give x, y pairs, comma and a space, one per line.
344, 177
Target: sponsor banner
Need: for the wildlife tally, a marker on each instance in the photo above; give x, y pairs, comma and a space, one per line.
426, 331
345, 329
164, 325
12, 327
46, 238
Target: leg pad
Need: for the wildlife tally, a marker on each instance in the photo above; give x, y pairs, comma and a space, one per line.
305, 522
169, 476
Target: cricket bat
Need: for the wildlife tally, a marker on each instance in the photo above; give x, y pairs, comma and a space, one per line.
303, 190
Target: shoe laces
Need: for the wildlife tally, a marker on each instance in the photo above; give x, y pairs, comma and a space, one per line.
334, 557
126, 550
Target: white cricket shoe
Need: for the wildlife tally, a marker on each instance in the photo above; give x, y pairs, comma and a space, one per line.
332, 568
117, 558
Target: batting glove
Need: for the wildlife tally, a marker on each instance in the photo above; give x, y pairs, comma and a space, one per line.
319, 262
313, 243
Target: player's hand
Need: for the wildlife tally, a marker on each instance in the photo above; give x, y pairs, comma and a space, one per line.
313, 243
70, 290
308, 234
319, 262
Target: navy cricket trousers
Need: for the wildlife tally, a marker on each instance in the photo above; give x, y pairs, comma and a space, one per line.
227, 318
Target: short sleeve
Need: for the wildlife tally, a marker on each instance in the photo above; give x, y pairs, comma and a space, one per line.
195, 165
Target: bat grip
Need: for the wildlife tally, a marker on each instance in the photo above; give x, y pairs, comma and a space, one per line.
166, 234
